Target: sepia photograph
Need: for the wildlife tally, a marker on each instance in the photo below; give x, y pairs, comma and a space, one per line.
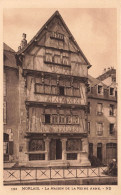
60, 96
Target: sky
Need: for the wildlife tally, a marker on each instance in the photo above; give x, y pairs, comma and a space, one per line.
94, 29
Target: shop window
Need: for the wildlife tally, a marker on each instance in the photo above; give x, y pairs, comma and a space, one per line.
112, 91
99, 108
100, 89
111, 110
47, 118
112, 130
99, 129
36, 157
73, 145
36, 145
72, 156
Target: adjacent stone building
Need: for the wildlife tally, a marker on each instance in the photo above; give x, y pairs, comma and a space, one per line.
46, 119
102, 116
10, 104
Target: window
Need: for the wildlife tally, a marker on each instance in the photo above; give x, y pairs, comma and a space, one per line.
113, 79
36, 157
75, 119
72, 156
47, 118
61, 119
88, 108
55, 119
100, 89
111, 110
36, 145
99, 108
48, 57
4, 84
57, 59
74, 145
61, 90
68, 119
7, 147
112, 91
39, 88
99, 129
4, 113
90, 149
88, 127
65, 60
56, 35
111, 151
89, 88
111, 131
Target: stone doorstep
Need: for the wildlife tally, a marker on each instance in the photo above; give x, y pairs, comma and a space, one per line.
69, 181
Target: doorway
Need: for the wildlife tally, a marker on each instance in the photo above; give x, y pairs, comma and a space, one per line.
55, 149
99, 151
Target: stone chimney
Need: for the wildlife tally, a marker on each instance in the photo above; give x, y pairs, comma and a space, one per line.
24, 41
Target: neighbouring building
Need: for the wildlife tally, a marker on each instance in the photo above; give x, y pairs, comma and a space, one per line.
45, 96
10, 104
102, 116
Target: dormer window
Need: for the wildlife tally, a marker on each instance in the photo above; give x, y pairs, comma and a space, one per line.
100, 89
112, 92
56, 35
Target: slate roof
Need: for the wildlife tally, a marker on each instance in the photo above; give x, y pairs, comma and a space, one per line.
95, 81
110, 72
9, 56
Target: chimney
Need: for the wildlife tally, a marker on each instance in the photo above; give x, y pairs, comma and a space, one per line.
104, 70
19, 48
24, 41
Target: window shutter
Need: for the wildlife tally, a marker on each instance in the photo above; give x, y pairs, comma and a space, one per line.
10, 148
4, 113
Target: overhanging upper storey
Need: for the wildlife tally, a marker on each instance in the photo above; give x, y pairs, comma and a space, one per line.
54, 49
